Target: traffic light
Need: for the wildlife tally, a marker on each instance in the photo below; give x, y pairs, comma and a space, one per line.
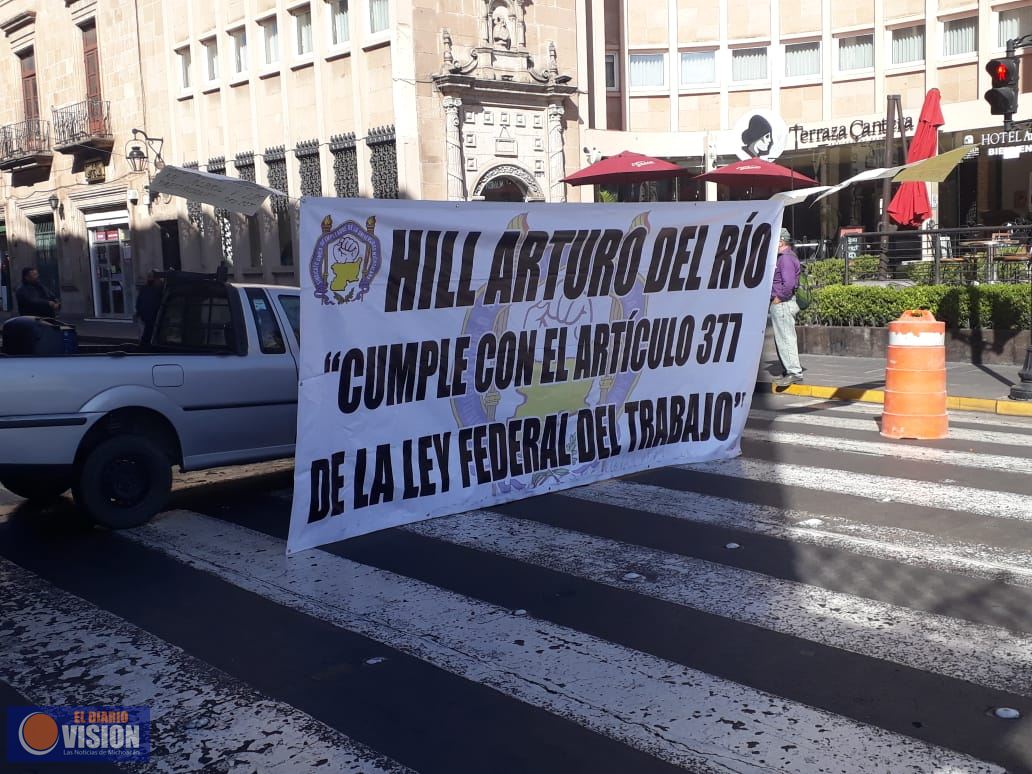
1003, 96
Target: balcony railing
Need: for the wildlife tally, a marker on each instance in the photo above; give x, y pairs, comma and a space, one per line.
83, 126
25, 144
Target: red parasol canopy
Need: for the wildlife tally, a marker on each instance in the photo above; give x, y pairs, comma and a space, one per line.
625, 167
910, 205
757, 173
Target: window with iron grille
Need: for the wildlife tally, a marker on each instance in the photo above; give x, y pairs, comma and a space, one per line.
244, 163
276, 162
384, 162
46, 255
345, 165
193, 209
276, 166
217, 166
307, 154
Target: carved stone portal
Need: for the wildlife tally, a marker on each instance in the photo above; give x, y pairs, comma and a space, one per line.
502, 113
522, 177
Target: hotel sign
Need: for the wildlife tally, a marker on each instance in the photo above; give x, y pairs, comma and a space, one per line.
858, 131
1002, 138
1007, 144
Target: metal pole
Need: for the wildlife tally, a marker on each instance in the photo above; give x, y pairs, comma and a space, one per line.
1023, 390
890, 135
936, 258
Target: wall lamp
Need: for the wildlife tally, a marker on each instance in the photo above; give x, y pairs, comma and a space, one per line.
139, 155
56, 206
141, 147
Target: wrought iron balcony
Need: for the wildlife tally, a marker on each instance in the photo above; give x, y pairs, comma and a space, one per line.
83, 126
25, 145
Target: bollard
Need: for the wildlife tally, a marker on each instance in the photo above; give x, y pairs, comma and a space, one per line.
915, 378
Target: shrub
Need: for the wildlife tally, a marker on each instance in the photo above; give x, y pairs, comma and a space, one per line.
830, 271
999, 307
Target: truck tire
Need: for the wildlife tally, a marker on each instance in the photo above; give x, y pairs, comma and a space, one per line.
36, 486
124, 481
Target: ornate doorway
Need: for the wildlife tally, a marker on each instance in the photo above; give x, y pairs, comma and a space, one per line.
507, 183
504, 189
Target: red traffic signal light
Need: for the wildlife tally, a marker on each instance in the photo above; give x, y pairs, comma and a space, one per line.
1004, 71
1003, 96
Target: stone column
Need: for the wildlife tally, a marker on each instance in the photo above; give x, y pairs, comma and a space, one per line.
521, 24
556, 157
485, 24
453, 158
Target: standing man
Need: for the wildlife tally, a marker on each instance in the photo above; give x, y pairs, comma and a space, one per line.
33, 298
783, 310
148, 301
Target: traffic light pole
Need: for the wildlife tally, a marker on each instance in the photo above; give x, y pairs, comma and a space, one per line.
1023, 389
1012, 46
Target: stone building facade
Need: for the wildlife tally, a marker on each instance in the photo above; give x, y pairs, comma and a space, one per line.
684, 79
370, 98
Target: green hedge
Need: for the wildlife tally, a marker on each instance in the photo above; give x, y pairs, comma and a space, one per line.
866, 267
1000, 307
830, 270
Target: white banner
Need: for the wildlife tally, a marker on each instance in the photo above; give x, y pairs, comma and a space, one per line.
460, 355
230, 193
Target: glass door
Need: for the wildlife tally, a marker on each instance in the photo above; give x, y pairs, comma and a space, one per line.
113, 277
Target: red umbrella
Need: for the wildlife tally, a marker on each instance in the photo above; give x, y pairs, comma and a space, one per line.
625, 167
910, 205
757, 173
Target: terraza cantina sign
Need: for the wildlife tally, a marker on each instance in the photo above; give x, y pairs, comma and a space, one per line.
856, 131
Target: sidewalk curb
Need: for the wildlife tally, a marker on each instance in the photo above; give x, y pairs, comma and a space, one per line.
990, 405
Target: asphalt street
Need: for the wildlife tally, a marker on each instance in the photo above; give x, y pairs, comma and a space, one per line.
831, 601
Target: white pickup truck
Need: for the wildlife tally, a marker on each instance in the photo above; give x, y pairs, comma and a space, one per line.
217, 386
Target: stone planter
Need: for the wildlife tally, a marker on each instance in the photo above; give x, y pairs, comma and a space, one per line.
962, 346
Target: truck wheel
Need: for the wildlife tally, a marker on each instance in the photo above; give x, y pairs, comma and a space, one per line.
124, 481
37, 486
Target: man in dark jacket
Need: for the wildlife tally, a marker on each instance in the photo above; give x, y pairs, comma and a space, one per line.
783, 310
147, 303
33, 298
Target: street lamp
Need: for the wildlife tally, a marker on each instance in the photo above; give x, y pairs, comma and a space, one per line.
138, 156
137, 159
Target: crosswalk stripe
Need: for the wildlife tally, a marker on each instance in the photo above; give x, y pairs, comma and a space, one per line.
57, 649
842, 423
1020, 465
1004, 505
675, 713
789, 406
947, 646
900, 545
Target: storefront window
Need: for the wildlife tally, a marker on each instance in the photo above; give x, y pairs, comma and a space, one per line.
802, 59
612, 75
1014, 23
856, 53
959, 36
698, 67
908, 44
648, 70
749, 64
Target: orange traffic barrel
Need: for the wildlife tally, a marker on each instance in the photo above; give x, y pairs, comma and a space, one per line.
915, 378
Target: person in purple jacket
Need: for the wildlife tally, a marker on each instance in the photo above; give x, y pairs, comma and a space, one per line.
783, 310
